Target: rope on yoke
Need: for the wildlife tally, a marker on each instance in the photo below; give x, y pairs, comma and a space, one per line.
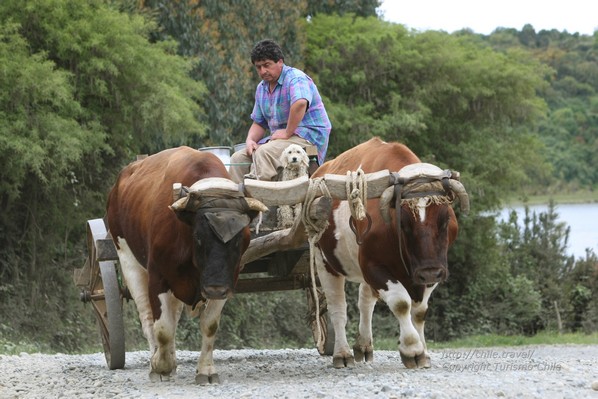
314, 230
357, 193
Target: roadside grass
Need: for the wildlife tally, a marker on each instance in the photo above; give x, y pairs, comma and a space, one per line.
474, 341
483, 341
8, 347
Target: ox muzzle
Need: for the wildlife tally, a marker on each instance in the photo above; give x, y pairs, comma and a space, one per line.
429, 275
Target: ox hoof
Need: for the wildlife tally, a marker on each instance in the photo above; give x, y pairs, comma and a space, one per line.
202, 379
417, 362
340, 362
423, 361
157, 377
363, 353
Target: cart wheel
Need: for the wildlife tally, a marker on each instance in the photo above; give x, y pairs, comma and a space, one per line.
326, 348
109, 314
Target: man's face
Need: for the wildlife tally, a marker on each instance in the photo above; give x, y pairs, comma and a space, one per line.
269, 70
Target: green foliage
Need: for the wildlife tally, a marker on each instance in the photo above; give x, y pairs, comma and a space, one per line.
41, 143
442, 95
536, 249
47, 318
361, 8
82, 91
219, 36
510, 285
570, 130
255, 320
580, 297
39, 130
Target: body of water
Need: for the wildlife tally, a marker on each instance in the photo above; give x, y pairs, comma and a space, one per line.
581, 218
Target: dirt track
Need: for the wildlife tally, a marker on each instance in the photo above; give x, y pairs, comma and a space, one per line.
523, 372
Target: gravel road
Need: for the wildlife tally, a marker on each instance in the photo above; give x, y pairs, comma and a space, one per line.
562, 371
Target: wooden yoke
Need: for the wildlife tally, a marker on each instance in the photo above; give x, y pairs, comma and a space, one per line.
287, 239
293, 192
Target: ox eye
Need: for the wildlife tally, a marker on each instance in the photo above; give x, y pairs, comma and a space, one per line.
196, 238
406, 221
444, 225
443, 222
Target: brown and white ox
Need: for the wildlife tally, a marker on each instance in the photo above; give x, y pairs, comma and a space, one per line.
401, 257
182, 253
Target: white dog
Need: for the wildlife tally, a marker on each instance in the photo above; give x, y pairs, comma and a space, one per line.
294, 161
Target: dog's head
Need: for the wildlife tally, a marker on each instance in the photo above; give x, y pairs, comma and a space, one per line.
294, 157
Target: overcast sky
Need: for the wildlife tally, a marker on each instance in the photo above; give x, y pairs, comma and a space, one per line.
484, 16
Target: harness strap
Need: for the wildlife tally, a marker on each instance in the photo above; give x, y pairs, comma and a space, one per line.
398, 195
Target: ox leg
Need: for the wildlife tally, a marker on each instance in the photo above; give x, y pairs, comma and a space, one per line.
410, 344
208, 325
334, 289
418, 316
364, 347
136, 280
163, 361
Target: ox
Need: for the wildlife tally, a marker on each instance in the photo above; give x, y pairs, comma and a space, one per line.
401, 256
186, 253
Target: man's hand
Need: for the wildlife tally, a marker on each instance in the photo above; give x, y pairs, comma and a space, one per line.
281, 134
251, 146
256, 132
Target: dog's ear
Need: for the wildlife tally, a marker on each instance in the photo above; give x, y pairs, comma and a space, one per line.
284, 159
304, 158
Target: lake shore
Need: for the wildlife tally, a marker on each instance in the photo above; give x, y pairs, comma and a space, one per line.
576, 197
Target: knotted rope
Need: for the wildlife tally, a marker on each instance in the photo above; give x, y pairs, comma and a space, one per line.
356, 186
357, 193
314, 230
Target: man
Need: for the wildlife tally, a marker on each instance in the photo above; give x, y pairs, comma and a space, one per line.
289, 106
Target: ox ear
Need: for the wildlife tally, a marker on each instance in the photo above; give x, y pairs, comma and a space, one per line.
184, 216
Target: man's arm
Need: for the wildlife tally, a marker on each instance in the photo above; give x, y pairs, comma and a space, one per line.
296, 114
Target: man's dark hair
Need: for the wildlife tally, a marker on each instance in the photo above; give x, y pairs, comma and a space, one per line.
266, 49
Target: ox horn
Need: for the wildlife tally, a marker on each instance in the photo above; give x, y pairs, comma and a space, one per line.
458, 189
256, 205
180, 204
385, 200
